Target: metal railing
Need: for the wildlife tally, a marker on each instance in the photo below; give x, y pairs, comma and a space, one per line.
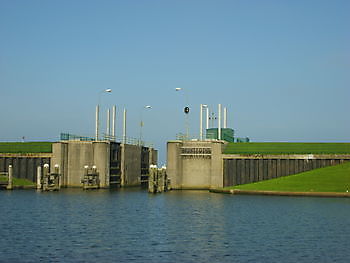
106, 137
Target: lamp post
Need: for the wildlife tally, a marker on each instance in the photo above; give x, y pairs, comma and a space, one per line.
141, 122
186, 111
97, 116
202, 106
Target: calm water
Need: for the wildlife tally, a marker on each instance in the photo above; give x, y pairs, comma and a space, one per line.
180, 226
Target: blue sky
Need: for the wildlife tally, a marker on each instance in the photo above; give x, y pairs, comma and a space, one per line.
282, 68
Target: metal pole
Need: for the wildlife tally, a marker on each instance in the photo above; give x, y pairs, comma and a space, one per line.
124, 126
201, 122
225, 117
207, 118
114, 113
219, 122
97, 122
108, 128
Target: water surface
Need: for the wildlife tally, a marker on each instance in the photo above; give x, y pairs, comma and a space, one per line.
180, 226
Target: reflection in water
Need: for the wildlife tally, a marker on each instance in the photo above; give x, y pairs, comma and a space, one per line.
179, 226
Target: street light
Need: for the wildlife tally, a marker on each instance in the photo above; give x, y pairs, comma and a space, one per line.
186, 111
141, 122
202, 106
97, 124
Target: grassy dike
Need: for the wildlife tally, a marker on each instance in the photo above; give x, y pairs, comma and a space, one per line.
25, 147
287, 148
328, 181
20, 182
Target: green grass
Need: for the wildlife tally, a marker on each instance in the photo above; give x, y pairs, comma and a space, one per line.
25, 147
18, 181
22, 182
328, 179
287, 148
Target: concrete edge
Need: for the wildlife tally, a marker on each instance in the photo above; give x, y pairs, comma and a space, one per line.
190, 188
279, 193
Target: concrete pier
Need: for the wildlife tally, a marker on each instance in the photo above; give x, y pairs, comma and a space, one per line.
195, 164
90, 179
158, 181
49, 181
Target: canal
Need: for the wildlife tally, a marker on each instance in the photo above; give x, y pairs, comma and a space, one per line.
180, 226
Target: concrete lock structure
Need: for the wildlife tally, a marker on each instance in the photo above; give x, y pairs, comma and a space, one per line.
116, 163
202, 165
195, 164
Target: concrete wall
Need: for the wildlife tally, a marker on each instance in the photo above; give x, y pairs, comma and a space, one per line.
243, 169
72, 156
195, 164
109, 158
174, 164
130, 165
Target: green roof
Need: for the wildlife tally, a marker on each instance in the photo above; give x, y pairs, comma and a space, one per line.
25, 147
287, 148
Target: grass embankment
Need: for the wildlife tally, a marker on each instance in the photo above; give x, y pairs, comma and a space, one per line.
25, 147
287, 148
22, 182
18, 181
328, 179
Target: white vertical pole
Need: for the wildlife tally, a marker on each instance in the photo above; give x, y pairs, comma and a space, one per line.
207, 118
97, 122
201, 122
219, 122
38, 178
10, 178
225, 117
108, 128
114, 114
124, 126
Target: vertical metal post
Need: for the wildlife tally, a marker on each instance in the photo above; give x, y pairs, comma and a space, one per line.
225, 117
207, 118
97, 122
108, 128
201, 122
124, 126
114, 114
10, 178
38, 178
219, 121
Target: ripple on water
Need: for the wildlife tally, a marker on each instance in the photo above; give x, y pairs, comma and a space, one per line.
180, 226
